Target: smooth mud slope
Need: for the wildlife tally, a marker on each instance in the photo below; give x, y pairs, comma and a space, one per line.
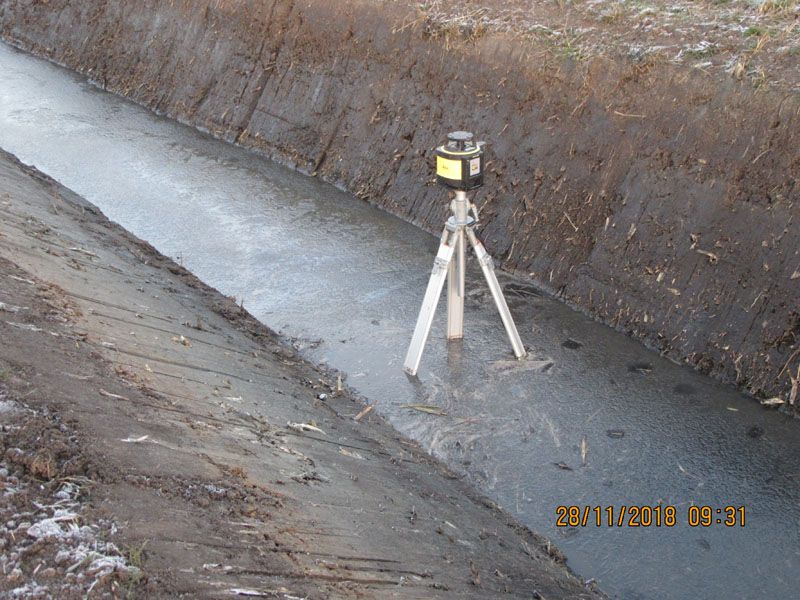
656, 189
158, 442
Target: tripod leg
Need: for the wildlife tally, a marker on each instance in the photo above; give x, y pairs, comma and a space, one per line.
494, 286
440, 267
455, 288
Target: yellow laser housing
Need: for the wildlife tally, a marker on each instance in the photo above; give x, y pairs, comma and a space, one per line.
459, 162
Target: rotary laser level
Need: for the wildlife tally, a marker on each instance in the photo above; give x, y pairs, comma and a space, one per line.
459, 165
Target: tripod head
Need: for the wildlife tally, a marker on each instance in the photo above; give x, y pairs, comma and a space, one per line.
459, 162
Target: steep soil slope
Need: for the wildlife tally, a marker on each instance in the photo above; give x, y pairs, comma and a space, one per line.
658, 197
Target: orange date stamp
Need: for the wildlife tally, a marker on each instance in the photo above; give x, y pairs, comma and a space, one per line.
659, 515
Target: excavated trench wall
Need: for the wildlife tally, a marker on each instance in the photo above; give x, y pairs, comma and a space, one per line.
661, 200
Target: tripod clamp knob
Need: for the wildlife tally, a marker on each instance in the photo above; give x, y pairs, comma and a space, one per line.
474, 210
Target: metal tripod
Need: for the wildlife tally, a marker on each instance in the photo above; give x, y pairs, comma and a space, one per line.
459, 227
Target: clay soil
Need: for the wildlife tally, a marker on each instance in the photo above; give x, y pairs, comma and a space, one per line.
156, 441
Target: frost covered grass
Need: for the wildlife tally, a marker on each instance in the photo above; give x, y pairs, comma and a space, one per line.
711, 34
50, 546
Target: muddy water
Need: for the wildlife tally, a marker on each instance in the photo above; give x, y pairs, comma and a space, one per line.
345, 281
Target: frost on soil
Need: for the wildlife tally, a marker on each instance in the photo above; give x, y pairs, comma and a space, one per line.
49, 546
757, 40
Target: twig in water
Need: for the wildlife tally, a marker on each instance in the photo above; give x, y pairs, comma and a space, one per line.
366, 410
621, 114
584, 450
426, 408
